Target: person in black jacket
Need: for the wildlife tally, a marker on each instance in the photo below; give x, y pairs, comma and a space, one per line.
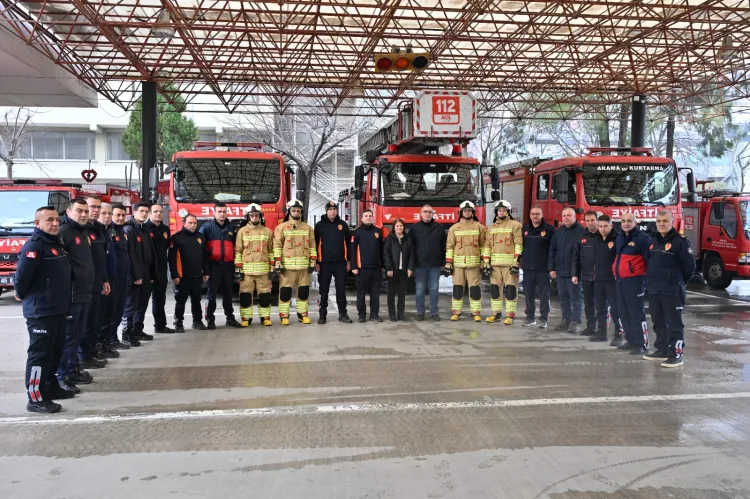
584, 260
332, 236
160, 236
88, 354
142, 275
669, 268
428, 238
399, 266
560, 266
78, 247
605, 288
366, 258
42, 283
537, 235
187, 265
118, 272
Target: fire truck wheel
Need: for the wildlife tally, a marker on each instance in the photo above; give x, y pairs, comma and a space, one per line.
714, 273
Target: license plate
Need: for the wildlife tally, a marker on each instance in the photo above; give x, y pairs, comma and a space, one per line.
6, 279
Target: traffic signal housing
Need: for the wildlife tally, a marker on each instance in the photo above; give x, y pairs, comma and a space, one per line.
390, 62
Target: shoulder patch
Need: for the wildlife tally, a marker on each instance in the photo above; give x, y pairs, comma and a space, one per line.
690, 250
31, 254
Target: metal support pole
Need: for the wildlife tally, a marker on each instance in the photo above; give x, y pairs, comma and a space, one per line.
670, 134
148, 135
638, 124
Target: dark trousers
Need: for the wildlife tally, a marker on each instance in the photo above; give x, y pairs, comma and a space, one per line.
536, 281
666, 314
630, 301
427, 278
220, 277
397, 286
336, 270
605, 293
189, 287
113, 306
46, 344
75, 325
136, 304
570, 299
368, 282
159, 300
93, 324
589, 305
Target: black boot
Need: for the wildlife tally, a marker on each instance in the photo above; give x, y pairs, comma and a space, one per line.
140, 335
200, 326
43, 407
178, 327
322, 319
109, 353
129, 338
588, 331
211, 324
163, 330
600, 335
345, 319
91, 362
118, 345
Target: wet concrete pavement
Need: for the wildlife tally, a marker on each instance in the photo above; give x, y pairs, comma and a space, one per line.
391, 410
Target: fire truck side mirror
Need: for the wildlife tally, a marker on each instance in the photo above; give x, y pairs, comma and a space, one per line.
301, 183
718, 210
495, 180
561, 187
153, 176
495, 195
359, 177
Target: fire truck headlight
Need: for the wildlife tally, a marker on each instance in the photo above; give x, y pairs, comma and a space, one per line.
743, 258
183, 212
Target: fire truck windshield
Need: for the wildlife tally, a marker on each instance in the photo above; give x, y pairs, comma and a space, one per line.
229, 180
645, 185
17, 208
436, 183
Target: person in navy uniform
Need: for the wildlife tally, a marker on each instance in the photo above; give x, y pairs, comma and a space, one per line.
188, 267
584, 263
366, 261
332, 236
630, 272
42, 283
537, 235
670, 267
118, 271
605, 289
142, 275
160, 237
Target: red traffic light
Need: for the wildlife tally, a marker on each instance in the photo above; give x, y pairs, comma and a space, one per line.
383, 63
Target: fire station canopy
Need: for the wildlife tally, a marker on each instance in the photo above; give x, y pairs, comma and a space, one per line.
525, 57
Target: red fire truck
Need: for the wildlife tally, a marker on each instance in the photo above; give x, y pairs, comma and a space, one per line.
417, 158
712, 226
19, 199
611, 181
235, 173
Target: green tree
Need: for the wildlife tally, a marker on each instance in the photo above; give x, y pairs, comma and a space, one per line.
174, 132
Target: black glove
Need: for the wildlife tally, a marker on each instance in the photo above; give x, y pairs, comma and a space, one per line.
310, 270
514, 270
238, 274
447, 270
486, 271
271, 275
279, 268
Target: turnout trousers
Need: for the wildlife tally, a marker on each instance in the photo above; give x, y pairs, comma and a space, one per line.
503, 285
287, 280
461, 277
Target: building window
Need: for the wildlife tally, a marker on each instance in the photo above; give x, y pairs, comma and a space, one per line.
541, 187
60, 145
207, 136
115, 149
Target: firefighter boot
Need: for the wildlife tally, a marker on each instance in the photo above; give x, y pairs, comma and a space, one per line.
267, 321
304, 319
494, 317
455, 317
246, 322
285, 321
509, 320
477, 318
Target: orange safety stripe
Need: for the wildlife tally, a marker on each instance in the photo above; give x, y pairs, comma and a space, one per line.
359, 260
320, 250
346, 250
179, 264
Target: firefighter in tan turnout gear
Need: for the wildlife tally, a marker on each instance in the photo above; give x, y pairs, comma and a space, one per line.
254, 259
295, 254
503, 247
462, 259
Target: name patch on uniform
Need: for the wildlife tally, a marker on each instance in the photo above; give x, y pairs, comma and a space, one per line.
631, 243
38, 331
668, 247
610, 245
54, 251
31, 254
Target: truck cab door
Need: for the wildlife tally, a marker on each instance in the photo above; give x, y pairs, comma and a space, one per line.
720, 235
542, 195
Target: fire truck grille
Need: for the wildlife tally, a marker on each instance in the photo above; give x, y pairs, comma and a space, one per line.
5, 266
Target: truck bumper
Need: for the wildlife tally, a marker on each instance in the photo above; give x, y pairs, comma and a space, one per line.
742, 271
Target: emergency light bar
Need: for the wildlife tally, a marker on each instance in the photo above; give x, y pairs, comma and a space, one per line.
633, 150
256, 146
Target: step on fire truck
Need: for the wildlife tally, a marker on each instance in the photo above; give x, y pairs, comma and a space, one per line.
416, 159
712, 225
610, 181
235, 173
19, 200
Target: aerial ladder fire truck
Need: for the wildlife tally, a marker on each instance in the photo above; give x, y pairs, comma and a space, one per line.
419, 158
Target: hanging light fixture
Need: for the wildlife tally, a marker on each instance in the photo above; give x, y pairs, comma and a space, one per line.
163, 27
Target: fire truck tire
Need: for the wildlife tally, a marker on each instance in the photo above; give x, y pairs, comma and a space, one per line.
715, 274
